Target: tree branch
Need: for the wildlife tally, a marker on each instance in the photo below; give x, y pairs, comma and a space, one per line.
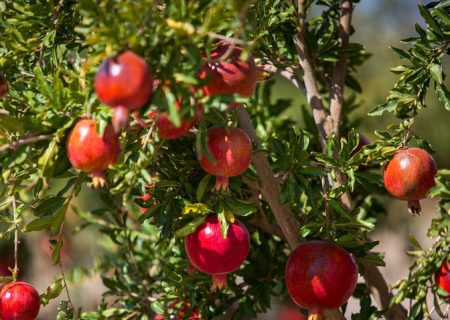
28, 139
270, 188
287, 73
338, 82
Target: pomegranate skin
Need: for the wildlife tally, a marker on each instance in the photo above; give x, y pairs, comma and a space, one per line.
3, 86
232, 149
19, 301
442, 276
90, 152
211, 254
231, 76
320, 275
124, 80
409, 175
167, 130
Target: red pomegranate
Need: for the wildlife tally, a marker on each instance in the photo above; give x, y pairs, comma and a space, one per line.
230, 76
123, 82
232, 150
3, 86
90, 152
442, 276
409, 175
167, 130
214, 255
19, 301
180, 315
320, 276
362, 142
290, 312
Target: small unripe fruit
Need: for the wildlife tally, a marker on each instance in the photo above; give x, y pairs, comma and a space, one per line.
232, 151
210, 253
19, 301
409, 176
3, 86
442, 277
123, 82
89, 152
320, 276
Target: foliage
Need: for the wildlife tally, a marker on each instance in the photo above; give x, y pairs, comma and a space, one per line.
50, 51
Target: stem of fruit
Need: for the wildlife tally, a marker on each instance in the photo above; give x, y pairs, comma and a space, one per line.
221, 184
15, 271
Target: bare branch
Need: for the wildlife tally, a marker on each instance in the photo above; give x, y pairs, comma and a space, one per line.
338, 82
29, 139
287, 73
270, 188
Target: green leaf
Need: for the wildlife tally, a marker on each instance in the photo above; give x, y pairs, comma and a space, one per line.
53, 291
39, 224
381, 108
56, 254
190, 227
46, 162
48, 206
202, 187
436, 72
430, 21
444, 96
173, 111
239, 207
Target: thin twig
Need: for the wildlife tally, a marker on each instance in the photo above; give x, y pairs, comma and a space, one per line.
16, 239
28, 139
287, 73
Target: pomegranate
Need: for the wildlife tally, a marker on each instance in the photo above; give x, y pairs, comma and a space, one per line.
180, 315
362, 142
442, 276
167, 130
290, 312
230, 76
214, 255
3, 86
409, 175
232, 150
319, 276
123, 82
19, 301
90, 152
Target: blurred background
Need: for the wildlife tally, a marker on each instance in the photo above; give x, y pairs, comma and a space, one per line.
378, 24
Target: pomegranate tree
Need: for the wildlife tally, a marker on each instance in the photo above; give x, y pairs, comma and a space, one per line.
123, 82
3, 86
19, 301
232, 151
409, 176
320, 276
210, 253
90, 152
230, 75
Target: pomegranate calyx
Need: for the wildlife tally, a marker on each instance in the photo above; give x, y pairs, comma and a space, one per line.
120, 118
219, 282
98, 180
221, 184
414, 207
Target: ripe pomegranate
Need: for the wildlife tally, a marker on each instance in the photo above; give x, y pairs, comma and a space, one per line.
290, 312
19, 301
167, 130
319, 276
362, 142
442, 276
409, 175
232, 150
90, 152
123, 82
230, 76
3, 86
214, 255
